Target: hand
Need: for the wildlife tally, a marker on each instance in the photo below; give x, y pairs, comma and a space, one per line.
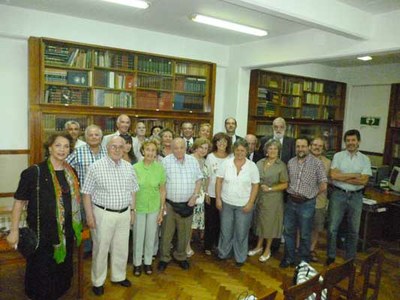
264, 188
91, 222
218, 204
13, 238
248, 207
132, 217
207, 199
160, 217
192, 201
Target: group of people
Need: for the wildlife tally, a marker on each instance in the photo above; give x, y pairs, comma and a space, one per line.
165, 186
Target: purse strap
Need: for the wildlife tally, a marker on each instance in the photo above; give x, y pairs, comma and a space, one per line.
37, 208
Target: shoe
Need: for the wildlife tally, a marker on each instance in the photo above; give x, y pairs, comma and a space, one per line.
329, 261
208, 252
148, 270
254, 252
184, 264
190, 253
98, 290
162, 265
264, 258
124, 283
314, 256
239, 264
137, 270
285, 264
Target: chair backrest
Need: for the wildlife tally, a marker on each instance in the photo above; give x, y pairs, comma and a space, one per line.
304, 290
338, 274
374, 262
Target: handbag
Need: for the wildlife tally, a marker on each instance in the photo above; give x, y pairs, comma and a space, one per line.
28, 240
200, 198
182, 208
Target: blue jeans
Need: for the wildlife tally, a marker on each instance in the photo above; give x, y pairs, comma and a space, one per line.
298, 216
235, 226
340, 204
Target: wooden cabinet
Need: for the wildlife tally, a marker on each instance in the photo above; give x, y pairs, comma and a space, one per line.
310, 106
391, 155
94, 84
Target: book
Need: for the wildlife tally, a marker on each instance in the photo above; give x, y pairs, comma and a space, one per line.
77, 78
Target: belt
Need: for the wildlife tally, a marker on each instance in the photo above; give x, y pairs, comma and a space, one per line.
298, 198
112, 210
347, 192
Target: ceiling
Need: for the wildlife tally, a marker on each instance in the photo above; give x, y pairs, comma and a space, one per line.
173, 17
377, 59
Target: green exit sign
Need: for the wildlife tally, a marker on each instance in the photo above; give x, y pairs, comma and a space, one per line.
370, 121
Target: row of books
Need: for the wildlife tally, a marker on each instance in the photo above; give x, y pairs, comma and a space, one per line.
155, 65
154, 100
110, 59
52, 122
267, 109
66, 95
154, 82
328, 113
59, 76
190, 84
64, 56
290, 87
113, 80
310, 112
313, 86
320, 99
289, 112
270, 81
107, 124
191, 69
292, 101
112, 99
188, 102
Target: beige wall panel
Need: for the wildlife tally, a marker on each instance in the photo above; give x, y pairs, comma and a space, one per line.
11, 166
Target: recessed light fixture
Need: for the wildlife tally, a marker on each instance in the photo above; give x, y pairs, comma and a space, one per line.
134, 3
228, 25
364, 58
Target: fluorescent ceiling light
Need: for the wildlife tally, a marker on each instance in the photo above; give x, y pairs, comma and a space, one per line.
134, 3
228, 25
364, 58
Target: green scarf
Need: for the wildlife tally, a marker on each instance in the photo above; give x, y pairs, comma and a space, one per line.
60, 250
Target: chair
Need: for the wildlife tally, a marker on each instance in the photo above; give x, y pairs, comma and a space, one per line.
338, 274
372, 262
304, 290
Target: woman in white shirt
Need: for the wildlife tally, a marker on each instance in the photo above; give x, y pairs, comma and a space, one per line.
236, 190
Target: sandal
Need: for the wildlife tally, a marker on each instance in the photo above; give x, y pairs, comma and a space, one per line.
314, 256
137, 271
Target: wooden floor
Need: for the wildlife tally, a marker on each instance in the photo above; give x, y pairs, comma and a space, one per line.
206, 279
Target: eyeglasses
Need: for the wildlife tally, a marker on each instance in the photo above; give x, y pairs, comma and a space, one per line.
115, 147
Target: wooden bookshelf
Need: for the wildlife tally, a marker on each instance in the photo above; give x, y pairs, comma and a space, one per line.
310, 106
391, 154
94, 84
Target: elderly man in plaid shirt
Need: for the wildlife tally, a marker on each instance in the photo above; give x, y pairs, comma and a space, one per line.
183, 187
109, 199
307, 179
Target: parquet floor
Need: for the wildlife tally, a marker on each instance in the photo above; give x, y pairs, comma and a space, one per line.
206, 279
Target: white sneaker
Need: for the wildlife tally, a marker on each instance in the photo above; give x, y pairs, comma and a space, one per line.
264, 258
254, 252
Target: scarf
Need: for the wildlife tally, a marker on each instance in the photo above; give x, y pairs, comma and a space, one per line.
60, 250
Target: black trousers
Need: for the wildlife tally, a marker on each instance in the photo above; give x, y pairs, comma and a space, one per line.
212, 225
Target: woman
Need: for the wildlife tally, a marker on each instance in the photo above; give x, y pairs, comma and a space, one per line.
205, 131
129, 154
200, 149
221, 148
49, 270
150, 200
236, 190
269, 209
155, 130
166, 135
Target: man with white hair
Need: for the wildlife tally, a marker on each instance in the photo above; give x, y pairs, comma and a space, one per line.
123, 126
138, 140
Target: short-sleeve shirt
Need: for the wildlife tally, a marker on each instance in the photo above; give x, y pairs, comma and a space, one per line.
213, 163
181, 177
322, 198
111, 184
348, 163
236, 188
149, 179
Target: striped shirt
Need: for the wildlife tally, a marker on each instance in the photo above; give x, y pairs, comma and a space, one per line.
181, 177
82, 158
111, 184
305, 177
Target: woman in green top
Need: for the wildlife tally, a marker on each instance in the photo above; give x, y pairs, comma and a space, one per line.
150, 201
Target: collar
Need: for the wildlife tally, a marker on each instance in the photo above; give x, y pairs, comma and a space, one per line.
112, 162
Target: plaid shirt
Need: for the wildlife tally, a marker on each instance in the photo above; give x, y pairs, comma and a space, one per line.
82, 158
181, 177
111, 184
305, 177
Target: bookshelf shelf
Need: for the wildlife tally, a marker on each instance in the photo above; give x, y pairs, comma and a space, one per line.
94, 84
311, 106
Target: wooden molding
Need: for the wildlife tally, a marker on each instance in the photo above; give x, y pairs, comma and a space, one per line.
6, 195
371, 153
22, 151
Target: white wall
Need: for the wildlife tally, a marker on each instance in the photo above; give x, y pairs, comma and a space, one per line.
17, 25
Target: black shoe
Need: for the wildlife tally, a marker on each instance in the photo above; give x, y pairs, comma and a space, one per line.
137, 270
124, 283
329, 261
162, 265
239, 264
98, 290
285, 264
148, 270
184, 264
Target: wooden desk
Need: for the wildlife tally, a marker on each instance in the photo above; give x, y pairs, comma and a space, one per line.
383, 202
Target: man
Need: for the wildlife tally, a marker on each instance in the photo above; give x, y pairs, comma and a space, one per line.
183, 187
74, 130
307, 179
253, 155
288, 143
138, 140
230, 128
123, 126
109, 200
82, 158
317, 149
187, 135
350, 171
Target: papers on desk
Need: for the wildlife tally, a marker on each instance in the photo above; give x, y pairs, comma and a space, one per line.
368, 201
